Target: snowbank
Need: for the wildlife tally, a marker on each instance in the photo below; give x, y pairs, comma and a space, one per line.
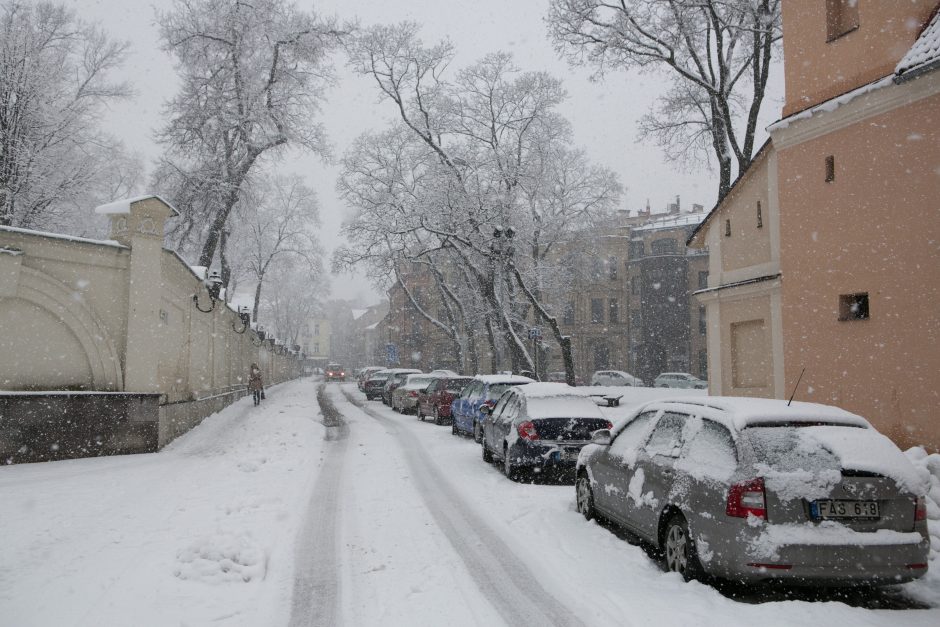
927, 589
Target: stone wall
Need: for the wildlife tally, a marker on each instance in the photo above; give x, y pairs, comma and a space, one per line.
80, 318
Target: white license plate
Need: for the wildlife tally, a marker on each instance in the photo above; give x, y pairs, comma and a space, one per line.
836, 508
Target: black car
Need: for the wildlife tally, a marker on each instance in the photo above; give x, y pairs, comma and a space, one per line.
540, 428
374, 384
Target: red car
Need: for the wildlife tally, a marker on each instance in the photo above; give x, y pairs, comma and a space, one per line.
436, 399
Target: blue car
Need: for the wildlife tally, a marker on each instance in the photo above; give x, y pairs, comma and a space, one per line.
485, 389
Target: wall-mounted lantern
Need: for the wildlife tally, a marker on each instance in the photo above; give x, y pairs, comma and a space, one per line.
214, 286
245, 316
260, 334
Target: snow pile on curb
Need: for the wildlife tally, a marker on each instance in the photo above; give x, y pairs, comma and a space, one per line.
221, 558
928, 588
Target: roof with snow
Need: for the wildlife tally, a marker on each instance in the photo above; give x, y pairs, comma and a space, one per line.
124, 205
358, 313
69, 238
502, 378
671, 221
924, 55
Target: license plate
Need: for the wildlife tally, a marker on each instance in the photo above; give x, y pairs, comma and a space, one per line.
835, 508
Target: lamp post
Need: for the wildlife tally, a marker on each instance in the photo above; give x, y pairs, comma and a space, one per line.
214, 286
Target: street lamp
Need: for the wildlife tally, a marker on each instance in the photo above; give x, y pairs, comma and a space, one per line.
213, 285
245, 316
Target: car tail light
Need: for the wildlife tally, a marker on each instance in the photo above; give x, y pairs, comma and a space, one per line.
771, 566
918, 566
747, 499
920, 509
610, 425
527, 431
413, 393
490, 404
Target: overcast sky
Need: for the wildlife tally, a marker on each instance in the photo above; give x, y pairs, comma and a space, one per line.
603, 114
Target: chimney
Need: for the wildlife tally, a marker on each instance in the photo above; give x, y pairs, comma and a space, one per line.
645, 212
698, 209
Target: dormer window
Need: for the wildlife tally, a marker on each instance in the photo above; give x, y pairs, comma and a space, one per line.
841, 18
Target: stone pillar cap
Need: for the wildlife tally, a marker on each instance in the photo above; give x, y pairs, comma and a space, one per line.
124, 205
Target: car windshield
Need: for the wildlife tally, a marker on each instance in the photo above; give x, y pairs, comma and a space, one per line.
457, 385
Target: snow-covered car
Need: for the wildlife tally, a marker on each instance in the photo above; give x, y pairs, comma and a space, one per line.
755, 489
540, 428
615, 378
335, 372
365, 374
395, 379
374, 385
405, 396
681, 380
436, 399
485, 390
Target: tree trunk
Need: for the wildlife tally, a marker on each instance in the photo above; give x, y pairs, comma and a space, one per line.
254, 314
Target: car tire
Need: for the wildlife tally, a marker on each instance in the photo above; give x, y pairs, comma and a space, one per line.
419, 414
437, 417
477, 433
487, 454
679, 553
453, 427
585, 496
509, 469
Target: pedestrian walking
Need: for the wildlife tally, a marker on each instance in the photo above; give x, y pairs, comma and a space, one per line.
256, 383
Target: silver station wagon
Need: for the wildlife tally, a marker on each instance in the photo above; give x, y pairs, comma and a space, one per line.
753, 489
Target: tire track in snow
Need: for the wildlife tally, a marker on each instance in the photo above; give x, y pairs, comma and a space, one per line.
500, 575
316, 589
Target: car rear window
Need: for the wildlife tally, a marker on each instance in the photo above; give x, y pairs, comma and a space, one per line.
456, 385
787, 449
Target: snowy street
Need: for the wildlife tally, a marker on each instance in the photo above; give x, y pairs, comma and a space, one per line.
346, 513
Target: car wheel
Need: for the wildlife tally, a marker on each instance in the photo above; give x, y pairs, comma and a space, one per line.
477, 433
453, 427
487, 454
437, 416
679, 551
509, 469
419, 414
585, 496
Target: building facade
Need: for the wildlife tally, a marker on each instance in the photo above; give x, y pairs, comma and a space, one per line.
843, 292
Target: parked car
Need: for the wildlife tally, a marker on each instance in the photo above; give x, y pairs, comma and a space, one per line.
679, 380
561, 377
615, 378
756, 489
335, 372
365, 374
374, 385
485, 389
405, 396
540, 427
397, 378
436, 399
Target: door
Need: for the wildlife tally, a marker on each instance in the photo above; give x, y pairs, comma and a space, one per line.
648, 491
490, 439
614, 465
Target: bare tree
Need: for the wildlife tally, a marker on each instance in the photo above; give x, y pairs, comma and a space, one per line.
717, 52
53, 88
276, 225
474, 173
254, 76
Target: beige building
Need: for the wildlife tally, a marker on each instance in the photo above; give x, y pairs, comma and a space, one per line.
824, 255
315, 341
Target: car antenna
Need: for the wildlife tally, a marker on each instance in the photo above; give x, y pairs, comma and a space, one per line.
796, 386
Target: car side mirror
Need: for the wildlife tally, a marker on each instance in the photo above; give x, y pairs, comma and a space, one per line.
486, 410
602, 437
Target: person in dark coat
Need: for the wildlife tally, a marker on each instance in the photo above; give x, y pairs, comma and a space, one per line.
255, 383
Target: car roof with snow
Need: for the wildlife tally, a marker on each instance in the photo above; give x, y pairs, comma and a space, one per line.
557, 400
503, 378
418, 380
738, 413
403, 371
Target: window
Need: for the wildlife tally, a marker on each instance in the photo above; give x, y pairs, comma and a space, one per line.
316, 328
703, 280
760, 216
613, 315
709, 448
596, 268
664, 246
727, 228
853, 306
597, 310
702, 321
612, 268
830, 169
635, 285
667, 436
568, 316
637, 249
626, 442
316, 348
703, 365
841, 18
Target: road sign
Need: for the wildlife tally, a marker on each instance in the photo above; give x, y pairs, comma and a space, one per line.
535, 333
391, 354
